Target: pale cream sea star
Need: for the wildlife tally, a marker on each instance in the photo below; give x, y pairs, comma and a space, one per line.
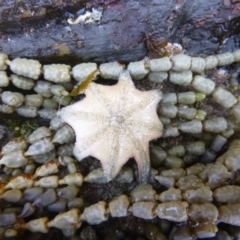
115, 123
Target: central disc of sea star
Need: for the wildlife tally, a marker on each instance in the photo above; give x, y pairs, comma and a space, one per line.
115, 123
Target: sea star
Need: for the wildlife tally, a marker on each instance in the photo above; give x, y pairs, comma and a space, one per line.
115, 123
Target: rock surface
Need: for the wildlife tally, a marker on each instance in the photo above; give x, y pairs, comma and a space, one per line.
127, 31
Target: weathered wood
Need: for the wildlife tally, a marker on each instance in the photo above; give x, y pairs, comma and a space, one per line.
39, 29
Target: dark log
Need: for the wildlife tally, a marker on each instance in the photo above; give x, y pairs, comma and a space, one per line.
39, 29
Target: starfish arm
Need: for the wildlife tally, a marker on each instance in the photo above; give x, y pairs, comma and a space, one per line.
126, 79
113, 164
125, 95
83, 125
144, 101
90, 104
86, 146
148, 130
141, 156
121, 150
108, 150
144, 119
146, 123
107, 95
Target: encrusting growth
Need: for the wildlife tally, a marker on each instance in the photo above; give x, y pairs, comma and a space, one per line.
192, 181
